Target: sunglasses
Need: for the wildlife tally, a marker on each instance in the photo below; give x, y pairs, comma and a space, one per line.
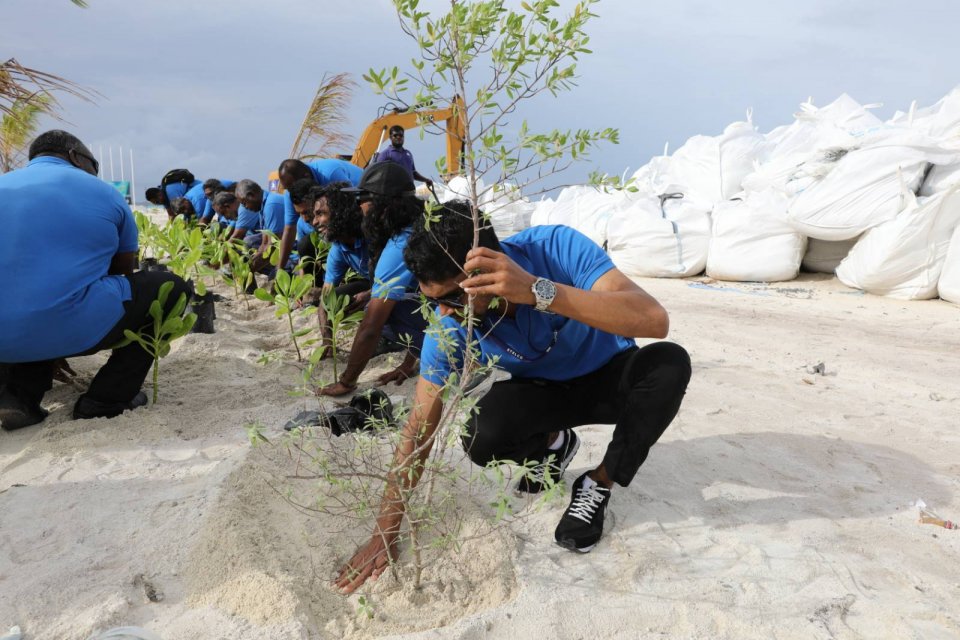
364, 196
452, 300
93, 161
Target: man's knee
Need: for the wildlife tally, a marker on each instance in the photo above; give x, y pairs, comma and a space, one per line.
668, 367
488, 435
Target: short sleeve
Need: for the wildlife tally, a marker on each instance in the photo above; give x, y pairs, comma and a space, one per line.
247, 219
442, 351
392, 278
289, 213
129, 234
336, 265
577, 256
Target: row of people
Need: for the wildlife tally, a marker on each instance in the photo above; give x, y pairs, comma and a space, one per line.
563, 326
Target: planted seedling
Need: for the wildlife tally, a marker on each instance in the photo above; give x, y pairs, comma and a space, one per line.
155, 339
287, 291
340, 318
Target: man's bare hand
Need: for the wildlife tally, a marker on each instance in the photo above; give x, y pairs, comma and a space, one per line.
398, 376
359, 301
497, 275
336, 389
370, 560
62, 371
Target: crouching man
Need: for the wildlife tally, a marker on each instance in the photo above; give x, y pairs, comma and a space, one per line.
70, 290
564, 328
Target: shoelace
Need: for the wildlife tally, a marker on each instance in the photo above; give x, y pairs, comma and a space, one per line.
587, 501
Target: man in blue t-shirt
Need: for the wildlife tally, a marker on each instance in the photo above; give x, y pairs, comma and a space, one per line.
80, 295
389, 205
338, 215
211, 187
322, 171
396, 153
260, 211
563, 328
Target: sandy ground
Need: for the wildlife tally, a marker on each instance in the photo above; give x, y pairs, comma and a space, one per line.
778, 504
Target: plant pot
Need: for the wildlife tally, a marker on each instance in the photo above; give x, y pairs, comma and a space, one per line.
205, 309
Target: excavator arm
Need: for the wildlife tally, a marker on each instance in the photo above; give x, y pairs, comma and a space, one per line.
377, 131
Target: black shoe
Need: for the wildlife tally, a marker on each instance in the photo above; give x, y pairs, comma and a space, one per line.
553, 464
581, 526
16, 413
87, 408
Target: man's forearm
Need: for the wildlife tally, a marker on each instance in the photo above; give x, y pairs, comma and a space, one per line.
415, 444
286, 244
364, 344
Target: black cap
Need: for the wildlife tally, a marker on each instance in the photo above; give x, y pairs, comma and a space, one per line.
385, 179
152, 193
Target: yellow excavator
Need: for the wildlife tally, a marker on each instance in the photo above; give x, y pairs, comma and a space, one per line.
378, 131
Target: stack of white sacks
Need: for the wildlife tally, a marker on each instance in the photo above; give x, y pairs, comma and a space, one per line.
838, 190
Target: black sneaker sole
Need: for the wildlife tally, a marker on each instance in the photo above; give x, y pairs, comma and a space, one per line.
571, 545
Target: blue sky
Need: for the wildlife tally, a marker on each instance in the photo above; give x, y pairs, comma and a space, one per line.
220, 86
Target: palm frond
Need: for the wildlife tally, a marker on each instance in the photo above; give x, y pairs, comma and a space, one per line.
20, 84
320, 133
80, 3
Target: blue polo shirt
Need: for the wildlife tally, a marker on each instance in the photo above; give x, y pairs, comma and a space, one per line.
61, 229
207, 213
400, 156
392, 279
343, 257
324, 171
270, 216
193, 193
534, 344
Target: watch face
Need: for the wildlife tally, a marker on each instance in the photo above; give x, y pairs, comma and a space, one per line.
545, 289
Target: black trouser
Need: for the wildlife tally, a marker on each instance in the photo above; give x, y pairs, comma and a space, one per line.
120, 379
639, 391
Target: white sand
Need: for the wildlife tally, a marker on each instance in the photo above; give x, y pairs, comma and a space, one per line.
776, 505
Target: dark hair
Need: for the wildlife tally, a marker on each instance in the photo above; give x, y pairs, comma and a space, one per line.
437, 252
213, 185
296, 168
182, 207
388, 216
345, 216
396, 128
224, 198
300, 191
55, 142
153, 193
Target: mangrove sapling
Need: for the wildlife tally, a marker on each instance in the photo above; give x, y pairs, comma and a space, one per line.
241, 276
288, 290
340, 318
496, 58
155, 339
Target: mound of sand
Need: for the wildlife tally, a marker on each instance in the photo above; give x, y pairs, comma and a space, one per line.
777, 504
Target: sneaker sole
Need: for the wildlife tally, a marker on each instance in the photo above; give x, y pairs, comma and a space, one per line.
563, 468
570, 545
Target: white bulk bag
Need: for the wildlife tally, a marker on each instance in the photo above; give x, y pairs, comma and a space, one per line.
752, 242
842, 124
645, 240
942, 120
584, 208
864, 188
949, 284
713, 168
824, 256
903, 258
940, 178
